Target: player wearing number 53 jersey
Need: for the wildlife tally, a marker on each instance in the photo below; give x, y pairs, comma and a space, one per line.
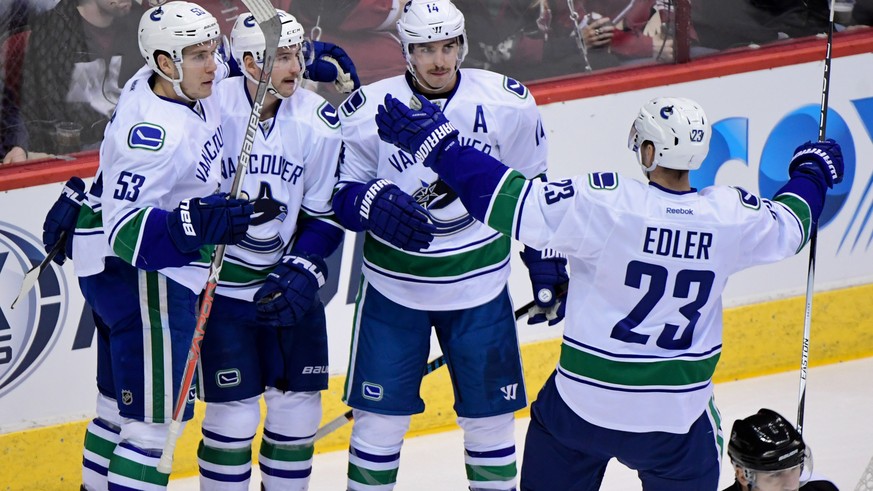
649, 261
428, 264
267, 332
145, 238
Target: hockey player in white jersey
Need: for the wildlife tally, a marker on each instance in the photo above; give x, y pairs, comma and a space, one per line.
429, 265
267, 331
643, 330
145, 238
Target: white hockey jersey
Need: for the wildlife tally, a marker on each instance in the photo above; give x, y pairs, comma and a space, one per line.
643, 330
467, 263
292, 171
155, 153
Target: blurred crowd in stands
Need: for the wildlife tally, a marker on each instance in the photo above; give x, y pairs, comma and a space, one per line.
63, 62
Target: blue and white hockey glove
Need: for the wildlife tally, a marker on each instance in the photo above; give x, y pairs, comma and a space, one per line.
422, 133
326, 62
393, 216
215, 219
291, 290
548, 272
62, 217
822, 161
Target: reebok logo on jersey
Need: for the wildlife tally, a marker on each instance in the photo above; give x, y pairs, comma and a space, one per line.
679, 211
371, 391
433, 139
509, 391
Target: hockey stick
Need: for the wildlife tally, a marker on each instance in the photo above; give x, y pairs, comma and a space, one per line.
268, 20
338, 422
813, 233
34, 272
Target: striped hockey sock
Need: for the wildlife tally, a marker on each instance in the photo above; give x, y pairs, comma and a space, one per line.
101, 438
133, 468
286, 461
372, 472
225, 463
491, 469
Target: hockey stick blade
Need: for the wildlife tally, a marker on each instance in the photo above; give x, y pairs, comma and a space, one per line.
34, 272
268, 20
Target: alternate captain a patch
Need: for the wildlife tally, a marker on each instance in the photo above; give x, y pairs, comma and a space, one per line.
146, 136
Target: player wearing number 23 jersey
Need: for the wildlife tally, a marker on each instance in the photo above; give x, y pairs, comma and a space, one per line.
649, 263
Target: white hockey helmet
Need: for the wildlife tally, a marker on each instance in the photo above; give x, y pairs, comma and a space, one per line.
426, 21
679, 130
170, 28
247, 37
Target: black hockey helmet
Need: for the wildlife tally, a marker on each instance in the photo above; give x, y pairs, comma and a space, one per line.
766, 442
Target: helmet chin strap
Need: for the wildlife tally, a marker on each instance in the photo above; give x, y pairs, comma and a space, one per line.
176, 82
648, 169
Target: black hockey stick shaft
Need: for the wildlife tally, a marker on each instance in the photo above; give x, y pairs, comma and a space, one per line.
268, 20
34, 272
813, 233
431, 367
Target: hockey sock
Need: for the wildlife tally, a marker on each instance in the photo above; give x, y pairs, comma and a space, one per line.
374, 451
289, 439
101, 437
285, 461
224, 455
134, 463
100, 441
133, 467
489, 452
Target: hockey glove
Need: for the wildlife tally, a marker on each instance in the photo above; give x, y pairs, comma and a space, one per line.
422, 133
548, 272
291, 290
392, 215
821, 160
214, 219
326, 62
62, 217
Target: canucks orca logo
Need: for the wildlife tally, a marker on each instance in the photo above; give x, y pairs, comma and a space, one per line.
267, 209
29, 332
438, 195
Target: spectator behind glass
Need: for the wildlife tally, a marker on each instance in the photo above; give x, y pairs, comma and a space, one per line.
79, 55
14, 15
618, 32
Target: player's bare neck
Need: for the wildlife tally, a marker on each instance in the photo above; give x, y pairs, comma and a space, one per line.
271, 102
672, 179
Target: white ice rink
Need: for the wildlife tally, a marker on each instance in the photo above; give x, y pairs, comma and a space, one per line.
837, 425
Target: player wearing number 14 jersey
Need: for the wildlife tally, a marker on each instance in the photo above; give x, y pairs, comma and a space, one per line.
649, 261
